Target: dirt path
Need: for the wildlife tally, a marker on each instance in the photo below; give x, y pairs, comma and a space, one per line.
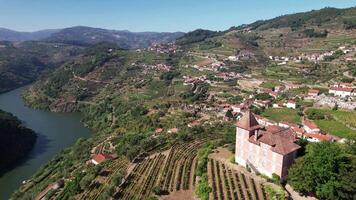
179, 195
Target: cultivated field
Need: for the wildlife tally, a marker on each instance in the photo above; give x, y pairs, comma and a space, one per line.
228, 183
170, 171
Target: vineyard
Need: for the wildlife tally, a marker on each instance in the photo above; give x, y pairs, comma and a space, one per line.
97, 187
227, 183
170, 171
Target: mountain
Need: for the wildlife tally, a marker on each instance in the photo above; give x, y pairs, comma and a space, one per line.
22, 63
16, 141
154, 109
322, 18
287, 35
15, 36
84, 36
81, 35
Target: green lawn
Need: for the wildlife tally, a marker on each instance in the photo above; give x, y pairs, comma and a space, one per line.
349, 117
269, 84
282, 114
334, 127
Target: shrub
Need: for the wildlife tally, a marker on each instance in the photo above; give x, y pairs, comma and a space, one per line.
315, 114
203, 189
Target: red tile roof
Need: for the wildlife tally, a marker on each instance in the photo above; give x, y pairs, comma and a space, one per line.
174, 130
313, 91
248, 122
288, 123
319, 136
99, 158
298, 130
310, 124
281, 140
342, 89
159, 130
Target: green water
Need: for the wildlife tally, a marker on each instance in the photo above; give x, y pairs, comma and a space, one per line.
56, 131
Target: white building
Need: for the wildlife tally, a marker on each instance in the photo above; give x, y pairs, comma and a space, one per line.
291, 104
342, 92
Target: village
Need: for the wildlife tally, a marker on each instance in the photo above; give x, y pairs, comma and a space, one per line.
269, 117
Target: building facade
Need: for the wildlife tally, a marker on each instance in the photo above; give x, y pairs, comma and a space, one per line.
265, 150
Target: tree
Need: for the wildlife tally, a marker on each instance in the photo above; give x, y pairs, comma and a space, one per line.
323, 171
263, 96
229, 114
86, 180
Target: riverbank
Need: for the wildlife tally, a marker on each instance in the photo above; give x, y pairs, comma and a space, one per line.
56, 131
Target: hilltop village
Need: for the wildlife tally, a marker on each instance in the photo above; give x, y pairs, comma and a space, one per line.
260, 111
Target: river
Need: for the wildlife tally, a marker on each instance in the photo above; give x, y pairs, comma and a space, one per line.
55, 131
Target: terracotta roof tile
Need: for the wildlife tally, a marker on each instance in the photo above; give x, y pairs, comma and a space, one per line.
99, 158
281, 140
310, 124
248, 122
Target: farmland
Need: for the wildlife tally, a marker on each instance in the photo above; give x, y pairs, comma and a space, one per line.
337, 122
171, 170
282, 114
228, 183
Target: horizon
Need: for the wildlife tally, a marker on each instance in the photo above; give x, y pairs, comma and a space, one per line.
216, 16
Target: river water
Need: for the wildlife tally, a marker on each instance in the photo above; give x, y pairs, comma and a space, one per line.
55, 131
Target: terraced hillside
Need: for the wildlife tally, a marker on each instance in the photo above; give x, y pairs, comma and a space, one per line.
170, 171
228, 183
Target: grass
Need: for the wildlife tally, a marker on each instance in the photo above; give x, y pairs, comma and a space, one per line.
334, 127
282, 114
349, 117
269, 84
335, 121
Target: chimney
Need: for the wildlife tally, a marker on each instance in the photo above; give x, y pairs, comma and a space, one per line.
256, 135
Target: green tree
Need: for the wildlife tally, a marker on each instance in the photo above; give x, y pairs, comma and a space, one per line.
322, 170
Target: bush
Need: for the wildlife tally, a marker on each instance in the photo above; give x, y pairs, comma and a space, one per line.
152, 198
169, 75
157, 190
263, 96
203, 189
312, 33
314, 114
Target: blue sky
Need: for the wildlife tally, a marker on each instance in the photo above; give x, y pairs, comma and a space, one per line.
150, 15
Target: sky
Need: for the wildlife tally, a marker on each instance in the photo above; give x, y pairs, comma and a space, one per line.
150, 15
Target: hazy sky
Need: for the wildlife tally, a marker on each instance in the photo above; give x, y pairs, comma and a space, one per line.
150, 15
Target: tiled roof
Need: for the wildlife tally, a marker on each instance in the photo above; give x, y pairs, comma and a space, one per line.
100, 157
281, 140
248, 122
319, 136
342, 89
288, 123
310, 124
313, 91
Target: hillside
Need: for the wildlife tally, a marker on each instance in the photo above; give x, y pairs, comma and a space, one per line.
22, 63
164, 117
16, 141
16, 36
81, 35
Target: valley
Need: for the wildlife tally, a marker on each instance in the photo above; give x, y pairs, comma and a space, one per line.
245, 113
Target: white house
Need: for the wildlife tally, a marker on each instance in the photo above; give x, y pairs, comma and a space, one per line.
317, 137
341, 91
238, 108
233, 58
291, 104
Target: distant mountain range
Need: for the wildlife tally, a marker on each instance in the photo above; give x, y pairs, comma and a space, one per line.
81, 35
16, 36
